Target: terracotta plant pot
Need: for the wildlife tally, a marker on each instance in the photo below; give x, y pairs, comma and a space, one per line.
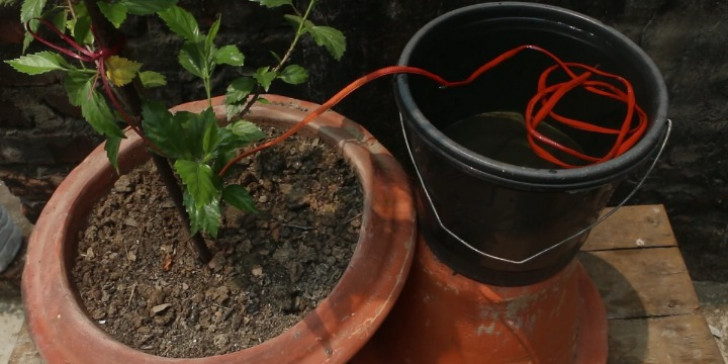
446, 318
331, 333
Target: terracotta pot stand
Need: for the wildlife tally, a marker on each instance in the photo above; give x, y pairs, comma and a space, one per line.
445, 318
333, 332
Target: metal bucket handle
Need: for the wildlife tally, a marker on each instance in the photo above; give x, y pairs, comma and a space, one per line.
554, 246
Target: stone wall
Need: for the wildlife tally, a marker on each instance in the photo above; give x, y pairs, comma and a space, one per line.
41, 137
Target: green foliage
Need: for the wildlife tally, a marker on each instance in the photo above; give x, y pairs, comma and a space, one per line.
200, 148
38, 63
181, 22
152, 79
229, 55
265, 77
274, 3
114, 12
294, 74
239, 197
196, 143
30, 10
329, 38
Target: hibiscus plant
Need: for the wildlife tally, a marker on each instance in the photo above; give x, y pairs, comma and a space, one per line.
81, 41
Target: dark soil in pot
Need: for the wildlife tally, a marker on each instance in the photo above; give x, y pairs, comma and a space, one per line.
141, 283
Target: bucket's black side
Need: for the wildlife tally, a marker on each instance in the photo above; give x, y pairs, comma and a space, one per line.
493, 221
500, 221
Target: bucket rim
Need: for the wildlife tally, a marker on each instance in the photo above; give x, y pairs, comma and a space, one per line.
526, 177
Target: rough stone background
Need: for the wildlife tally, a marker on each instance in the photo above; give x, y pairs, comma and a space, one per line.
42, 137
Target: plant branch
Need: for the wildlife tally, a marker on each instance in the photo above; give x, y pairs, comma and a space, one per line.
286, 56
106, 36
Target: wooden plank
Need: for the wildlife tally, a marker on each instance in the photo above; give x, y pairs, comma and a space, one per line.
683, 339
643, 226
642, 282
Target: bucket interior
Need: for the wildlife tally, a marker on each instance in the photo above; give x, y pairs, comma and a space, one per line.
456, 47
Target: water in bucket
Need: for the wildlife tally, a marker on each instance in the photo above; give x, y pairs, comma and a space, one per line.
501, 135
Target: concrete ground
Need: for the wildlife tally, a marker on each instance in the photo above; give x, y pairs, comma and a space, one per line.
713, 296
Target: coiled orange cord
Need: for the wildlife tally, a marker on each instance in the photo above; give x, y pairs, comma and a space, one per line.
539, 107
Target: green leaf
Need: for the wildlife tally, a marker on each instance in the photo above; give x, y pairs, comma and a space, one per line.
162, 129
239, 89
181, 22
210, 140
37, 63
200, 181
230, 55
265, 77
147, 7
114, 12
31, 9
211, 34
238, 196
58, 17
294, 74
330, 38
246, 130
206, 218
112, 151
193, 60
273, 3
82, 30
98, 114
152, 79
78, 85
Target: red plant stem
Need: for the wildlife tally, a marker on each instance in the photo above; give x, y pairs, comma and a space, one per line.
547, 97
98, 57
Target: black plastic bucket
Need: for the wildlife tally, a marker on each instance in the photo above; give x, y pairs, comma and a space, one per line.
502, 223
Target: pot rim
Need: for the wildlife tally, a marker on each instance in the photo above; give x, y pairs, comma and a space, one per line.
526, 177
333, 332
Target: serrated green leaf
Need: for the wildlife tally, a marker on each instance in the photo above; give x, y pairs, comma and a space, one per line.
181, 135
246, 130
239, 89
273, 3
206, 218
201, 182
181, 22
58, 17
330, 38
114, 12
38, 63
112, 151
82, 30
77, 86
147, 7
211, 34
160, 127
265, 77
152, 79
210, 140
239, 197
193, 60
294, 74
31, 9
230, 55
98, 114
